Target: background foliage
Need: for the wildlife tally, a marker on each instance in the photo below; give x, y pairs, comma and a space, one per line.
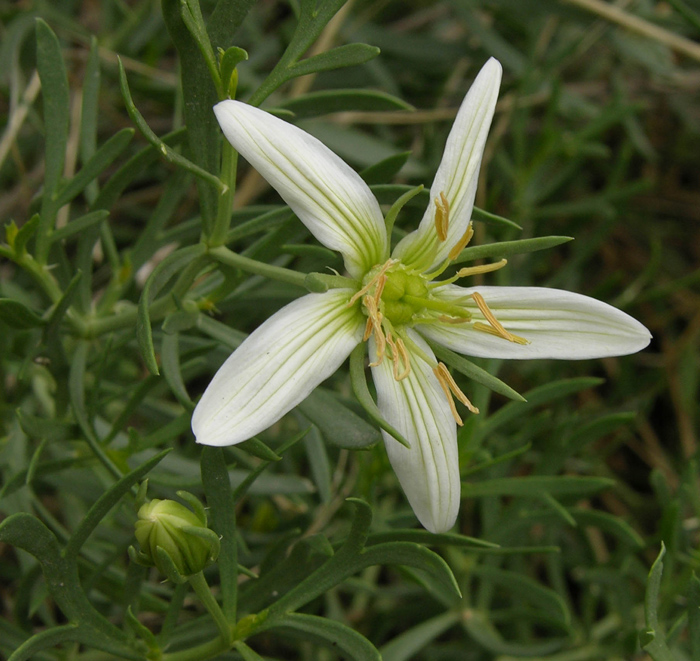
568, 497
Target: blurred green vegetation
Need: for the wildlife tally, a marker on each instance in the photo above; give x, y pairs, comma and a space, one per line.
596, 137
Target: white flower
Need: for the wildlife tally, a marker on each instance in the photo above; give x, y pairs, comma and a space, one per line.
395, 303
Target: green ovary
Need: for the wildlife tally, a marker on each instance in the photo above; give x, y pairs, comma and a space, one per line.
398, 285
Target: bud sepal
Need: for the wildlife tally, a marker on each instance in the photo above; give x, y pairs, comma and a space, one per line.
174, 538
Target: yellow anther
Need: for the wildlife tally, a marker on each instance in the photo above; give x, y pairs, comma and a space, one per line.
485, 328
399, 356
450, 388
478, 270
496, 328
442, 216
374, 327
369, 326
375, 280
381, 281
453, 320
462, 243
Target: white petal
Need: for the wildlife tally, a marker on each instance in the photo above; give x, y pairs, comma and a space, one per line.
418, 408
277, 367
458, 174
558, 324
329, 197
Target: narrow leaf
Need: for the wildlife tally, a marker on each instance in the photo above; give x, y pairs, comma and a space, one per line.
328, 632
169, 267
18, 316
314, 104
407, 645
338, 424
506, 248
359, 387
534, 398
170, 359
79, 225
493, 219
97, 164
535, 485
165, 151
107, 501
217, 488
475, 372
386, 169
55, 93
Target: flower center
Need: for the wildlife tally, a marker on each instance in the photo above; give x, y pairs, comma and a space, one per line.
402, 296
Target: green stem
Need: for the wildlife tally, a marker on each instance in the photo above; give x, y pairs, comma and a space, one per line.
225, 207
230, 258
201, 588
37, 271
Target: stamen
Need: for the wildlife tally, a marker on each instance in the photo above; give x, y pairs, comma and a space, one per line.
399, 355
485, 328
368, 330
380, 288
375, 319
384, 268
452, 320
484, 268
442, 216
403, 352
450, 388
496, 327
462, 243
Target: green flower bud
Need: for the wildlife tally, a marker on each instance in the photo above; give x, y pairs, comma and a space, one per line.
173, 537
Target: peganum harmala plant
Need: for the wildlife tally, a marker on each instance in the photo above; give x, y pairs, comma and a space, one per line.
113, 333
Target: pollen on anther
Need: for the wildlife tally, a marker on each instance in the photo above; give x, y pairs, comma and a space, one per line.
442, 216
450, 388
461, 244
374, 281
495, 328
399, 356
484, 268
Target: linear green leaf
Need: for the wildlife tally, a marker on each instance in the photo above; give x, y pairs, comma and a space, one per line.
217, 487
131, 170
56, 98
327, 632
348, 55
324, 102
97, 164
407, 644
493, 219
44, 640
652, 639
107, 501
534, 485
17, 315
536, 397
170, 266
364, 397
506, 248
339, 425
79, 225
165, 151
475, 372
170, 359
199, 96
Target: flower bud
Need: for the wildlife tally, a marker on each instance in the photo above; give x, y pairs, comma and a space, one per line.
173, 537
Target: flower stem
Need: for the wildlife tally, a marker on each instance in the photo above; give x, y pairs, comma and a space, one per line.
230, 258
223, 212
201, 588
